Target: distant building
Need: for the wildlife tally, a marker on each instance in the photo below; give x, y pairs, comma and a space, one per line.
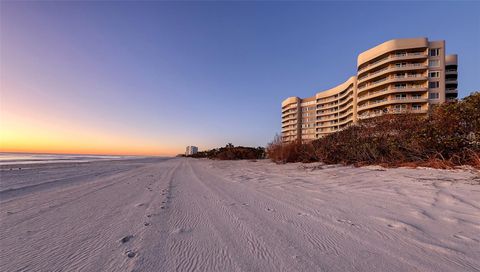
191, 150
397, 76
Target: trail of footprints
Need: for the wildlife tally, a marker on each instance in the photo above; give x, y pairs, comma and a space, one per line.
126, 241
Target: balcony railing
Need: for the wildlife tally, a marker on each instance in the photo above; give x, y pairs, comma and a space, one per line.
393, 68
390, 77
390, 111
392, 56
389, 90
375, 102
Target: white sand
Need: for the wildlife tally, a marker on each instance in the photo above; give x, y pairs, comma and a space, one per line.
201, 215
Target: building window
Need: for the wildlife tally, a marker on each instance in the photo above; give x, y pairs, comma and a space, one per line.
433, 96
433, 63
434, 52
416, 107
400, 96
416, 96
434, 74
401, 86
433, 84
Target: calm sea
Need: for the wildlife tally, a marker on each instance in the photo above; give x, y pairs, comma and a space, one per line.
28, 158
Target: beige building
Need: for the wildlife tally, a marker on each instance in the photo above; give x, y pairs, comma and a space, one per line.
397, 76
190, 150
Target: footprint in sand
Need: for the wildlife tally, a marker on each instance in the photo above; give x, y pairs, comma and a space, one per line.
181, 230
302, 214
402, 226
130, 254
346, 221
126, 239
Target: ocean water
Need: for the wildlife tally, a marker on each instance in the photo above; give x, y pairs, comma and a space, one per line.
29, 158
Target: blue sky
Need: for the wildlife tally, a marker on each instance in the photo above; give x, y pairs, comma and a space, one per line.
173, 74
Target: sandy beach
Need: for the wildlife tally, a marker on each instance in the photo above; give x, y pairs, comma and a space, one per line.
202, 215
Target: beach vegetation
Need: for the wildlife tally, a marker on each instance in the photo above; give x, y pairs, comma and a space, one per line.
448, 136
231, 152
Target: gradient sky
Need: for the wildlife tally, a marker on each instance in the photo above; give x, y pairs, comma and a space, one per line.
154, 77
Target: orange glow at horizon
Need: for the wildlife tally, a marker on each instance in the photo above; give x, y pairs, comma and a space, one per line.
20, 134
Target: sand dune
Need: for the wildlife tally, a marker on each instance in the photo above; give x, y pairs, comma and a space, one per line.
201, 215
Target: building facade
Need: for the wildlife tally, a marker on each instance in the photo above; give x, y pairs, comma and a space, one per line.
191, 150
397, 76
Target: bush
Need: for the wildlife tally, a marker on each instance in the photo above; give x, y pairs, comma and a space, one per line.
290, 152
231, 152
449, 135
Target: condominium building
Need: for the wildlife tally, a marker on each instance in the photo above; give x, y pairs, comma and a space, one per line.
397, 76
191, 150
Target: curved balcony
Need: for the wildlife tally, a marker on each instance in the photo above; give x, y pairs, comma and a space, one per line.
288, 128
327, 108
390, 90
371, 114
349, 90
392, 57
288, 118
390, 101
391, 69
391, 79
329, 125
326, 119
285, 115
289, 124
288, 131
289, 108
338, 105
348, 120
336, 97
346, 113
346, 101
329, 112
